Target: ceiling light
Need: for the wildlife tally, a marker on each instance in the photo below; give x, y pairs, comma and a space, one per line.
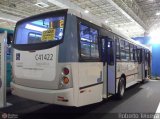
86, 11
36, 28
158, 13
155, 38
106, 21
119, 28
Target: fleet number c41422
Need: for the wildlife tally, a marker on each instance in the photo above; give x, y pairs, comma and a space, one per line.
44, 56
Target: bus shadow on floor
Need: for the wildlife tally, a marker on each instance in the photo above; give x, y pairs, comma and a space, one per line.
97, 110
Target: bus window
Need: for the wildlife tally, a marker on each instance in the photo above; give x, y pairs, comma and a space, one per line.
93, 35
34, 38
146, 56
127, 51
85, 49
94, 50
40, 30
122, 49
117, 49
131, 52
88, 42
149, 55
139, 55
135, 53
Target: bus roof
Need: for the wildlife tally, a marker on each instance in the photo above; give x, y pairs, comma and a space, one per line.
101, 24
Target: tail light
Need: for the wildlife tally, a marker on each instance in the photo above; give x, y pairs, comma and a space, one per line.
65, 80
65, 71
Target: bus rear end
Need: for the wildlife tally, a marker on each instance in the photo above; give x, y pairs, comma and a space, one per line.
36, 72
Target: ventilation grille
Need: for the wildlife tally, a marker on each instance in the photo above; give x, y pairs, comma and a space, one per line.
42, 4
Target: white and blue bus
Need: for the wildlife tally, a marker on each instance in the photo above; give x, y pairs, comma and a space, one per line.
60, 57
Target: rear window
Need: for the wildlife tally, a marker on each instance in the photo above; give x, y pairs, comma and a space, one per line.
40, 30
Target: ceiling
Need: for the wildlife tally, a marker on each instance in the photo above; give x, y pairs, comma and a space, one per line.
150, 8
131, 17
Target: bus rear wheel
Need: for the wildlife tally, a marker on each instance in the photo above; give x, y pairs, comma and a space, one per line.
121, 88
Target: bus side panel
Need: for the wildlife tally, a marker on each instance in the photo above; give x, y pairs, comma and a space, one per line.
130, 70
75, 68
90, 83
90, 95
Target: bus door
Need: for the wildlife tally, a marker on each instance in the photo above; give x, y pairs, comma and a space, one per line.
146, 63
149, 63
108, 59
141, 64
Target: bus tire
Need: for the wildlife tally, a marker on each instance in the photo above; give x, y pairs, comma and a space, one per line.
121, 88
143, 81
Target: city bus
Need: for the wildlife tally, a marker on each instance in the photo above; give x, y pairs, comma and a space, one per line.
62, 57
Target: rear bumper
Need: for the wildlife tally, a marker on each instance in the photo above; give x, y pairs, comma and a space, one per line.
60, 97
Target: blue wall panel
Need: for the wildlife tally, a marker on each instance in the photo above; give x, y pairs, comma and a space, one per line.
156, 60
